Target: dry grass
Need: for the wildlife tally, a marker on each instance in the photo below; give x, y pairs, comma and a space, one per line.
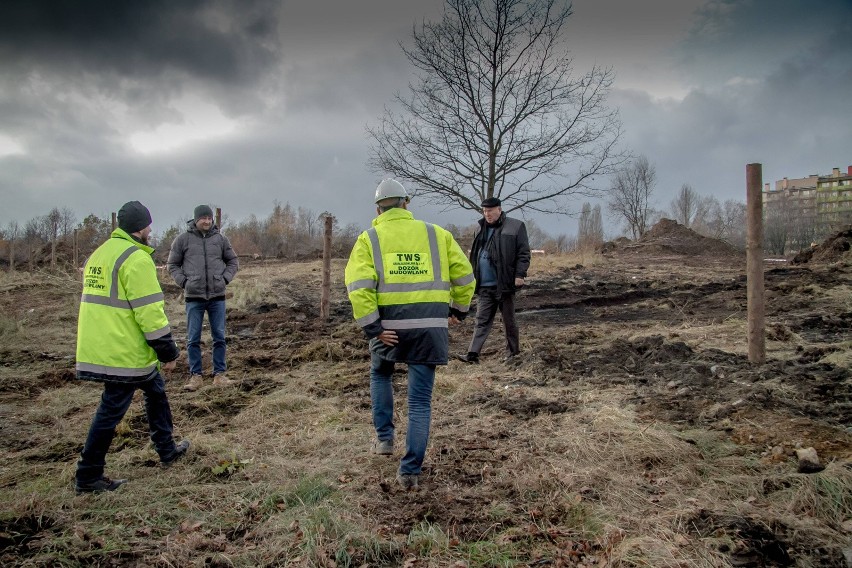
279, 472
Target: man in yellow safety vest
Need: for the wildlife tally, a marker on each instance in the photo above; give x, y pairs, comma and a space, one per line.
123, 340
407, 280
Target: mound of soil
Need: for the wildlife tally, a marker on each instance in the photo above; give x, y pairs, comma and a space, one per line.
669, 237
833, 249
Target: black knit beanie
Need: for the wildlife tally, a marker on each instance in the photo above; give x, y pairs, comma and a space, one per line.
133, 217
202, 211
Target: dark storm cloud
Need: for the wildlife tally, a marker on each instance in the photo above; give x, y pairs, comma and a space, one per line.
223, 41
79, 79
755, 37
768, 82
701, 96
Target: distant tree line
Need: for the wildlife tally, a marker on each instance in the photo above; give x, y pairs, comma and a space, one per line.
290, 233
788, 227
295, 233
287, 232
48, 240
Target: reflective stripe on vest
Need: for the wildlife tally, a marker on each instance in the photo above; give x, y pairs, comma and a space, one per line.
360, 284
158, 333
115, 371
368, 319
113, 301
414, 323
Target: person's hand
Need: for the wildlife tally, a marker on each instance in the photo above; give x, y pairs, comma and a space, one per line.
170, 366
388, 337
519, 282
453, 320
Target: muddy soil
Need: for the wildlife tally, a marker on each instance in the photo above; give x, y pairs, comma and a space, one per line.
657, 329
627, 324
576, 328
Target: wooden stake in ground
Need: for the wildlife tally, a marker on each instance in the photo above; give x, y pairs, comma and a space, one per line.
326, 268
754, 263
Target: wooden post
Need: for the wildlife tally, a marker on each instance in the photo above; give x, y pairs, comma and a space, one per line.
754, 264
325, 299
75, 257
219, 217
113, 221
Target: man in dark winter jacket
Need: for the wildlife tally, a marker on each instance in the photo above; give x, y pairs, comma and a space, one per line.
500, 256
202, 262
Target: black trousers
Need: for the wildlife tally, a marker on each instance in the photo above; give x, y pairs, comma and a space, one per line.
115, 401
489, 302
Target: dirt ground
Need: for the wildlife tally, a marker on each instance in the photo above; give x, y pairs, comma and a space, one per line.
651, 333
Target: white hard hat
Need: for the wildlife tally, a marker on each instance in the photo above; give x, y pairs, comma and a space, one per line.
391, 188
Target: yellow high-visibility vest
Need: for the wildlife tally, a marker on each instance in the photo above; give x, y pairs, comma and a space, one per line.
404, 274
122, 307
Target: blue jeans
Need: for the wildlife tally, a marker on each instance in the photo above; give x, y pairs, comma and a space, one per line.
421, 379
115, 401
194, 318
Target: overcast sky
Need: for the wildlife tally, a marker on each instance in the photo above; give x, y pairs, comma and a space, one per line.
243, 103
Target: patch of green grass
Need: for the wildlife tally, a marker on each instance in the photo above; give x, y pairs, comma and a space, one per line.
367, 550
581, 518
499, 512
826, 495
247, 293
427, 539
8, 328
493, 554
321, 529
711, 445
841, 356
309, 491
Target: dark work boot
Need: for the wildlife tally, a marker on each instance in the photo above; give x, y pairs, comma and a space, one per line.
180, 451
99, 485
471, 357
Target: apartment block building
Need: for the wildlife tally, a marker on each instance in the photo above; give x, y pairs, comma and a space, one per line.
797, 196
821, 202
834, 201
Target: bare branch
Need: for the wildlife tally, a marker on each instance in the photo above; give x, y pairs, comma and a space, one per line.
497, 110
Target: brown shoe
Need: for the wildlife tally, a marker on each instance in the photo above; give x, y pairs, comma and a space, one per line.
195, 383
221, 380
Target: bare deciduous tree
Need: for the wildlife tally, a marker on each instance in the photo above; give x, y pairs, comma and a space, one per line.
630, 195
536, 235
776, 228
788, 227
590, 228
11, 234
689, 208
498, 111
